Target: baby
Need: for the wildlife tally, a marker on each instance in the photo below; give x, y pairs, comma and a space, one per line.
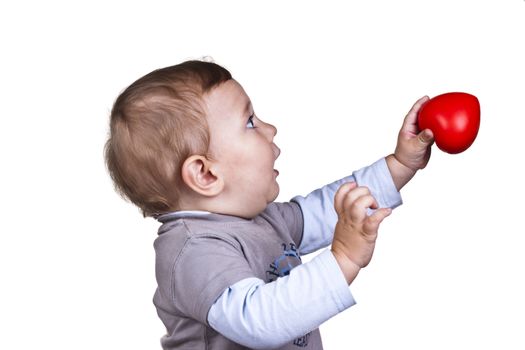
187, 148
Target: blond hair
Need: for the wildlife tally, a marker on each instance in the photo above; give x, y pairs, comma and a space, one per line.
155, 125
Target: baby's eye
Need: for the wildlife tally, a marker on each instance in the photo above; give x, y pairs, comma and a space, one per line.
250, 124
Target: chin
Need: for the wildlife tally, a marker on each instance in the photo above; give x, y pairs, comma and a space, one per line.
276, 193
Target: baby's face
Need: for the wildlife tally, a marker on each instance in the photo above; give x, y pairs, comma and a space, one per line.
243, 149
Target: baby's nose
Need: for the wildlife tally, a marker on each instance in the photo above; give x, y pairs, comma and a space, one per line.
273, 130
268, 130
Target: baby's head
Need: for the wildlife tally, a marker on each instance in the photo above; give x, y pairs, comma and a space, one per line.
186, 137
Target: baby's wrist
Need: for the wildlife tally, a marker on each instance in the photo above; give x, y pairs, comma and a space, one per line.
348, 267
401, 163
401, 173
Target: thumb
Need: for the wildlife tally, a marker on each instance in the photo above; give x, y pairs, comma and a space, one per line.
425, 138
380, 214
376, 218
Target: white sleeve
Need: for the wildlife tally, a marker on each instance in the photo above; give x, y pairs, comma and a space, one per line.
259, 315
318, 207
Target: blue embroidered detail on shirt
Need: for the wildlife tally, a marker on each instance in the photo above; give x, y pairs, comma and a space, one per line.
282, 265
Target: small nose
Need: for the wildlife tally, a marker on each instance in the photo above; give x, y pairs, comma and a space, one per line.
271, 130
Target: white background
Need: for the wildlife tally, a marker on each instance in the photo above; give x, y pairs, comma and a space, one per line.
336, 78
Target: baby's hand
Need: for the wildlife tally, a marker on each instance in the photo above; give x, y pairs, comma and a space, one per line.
355, 232
413, 144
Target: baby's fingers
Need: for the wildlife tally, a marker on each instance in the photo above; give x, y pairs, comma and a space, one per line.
373, 221
341, 194
410, 122
358, 208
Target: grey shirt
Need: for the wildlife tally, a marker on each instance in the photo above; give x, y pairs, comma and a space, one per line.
200, 256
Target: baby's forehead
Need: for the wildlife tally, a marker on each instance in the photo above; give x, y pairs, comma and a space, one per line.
230, 88
228, 97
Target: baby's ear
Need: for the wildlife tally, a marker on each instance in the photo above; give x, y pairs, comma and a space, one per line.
198, 175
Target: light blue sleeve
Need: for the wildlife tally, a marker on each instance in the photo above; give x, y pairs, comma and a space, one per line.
262, 315
318, 207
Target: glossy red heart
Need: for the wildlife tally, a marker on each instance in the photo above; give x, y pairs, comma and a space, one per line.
454, 119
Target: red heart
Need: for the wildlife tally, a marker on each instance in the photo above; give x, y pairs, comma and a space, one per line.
454, 119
